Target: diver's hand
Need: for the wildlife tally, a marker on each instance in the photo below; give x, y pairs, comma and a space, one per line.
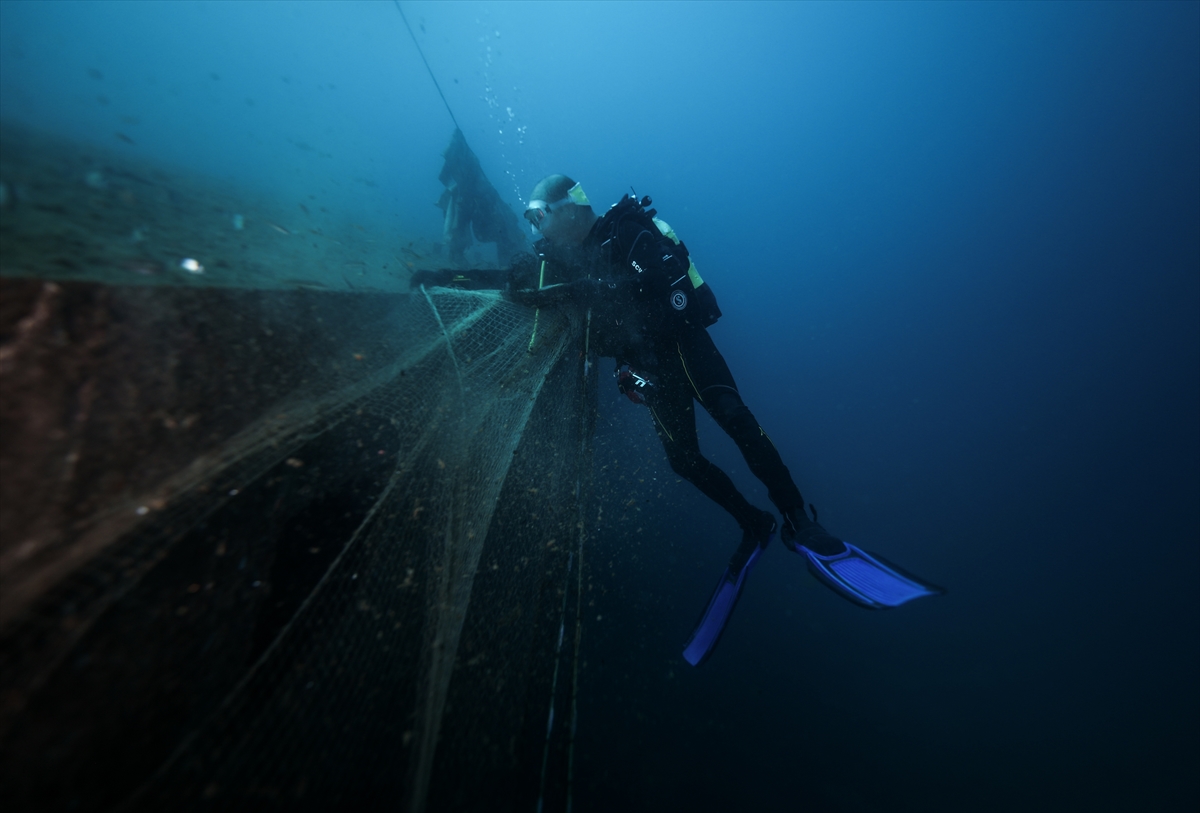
431, 279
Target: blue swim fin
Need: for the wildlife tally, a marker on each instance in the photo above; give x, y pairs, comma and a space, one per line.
724, 599
867, 579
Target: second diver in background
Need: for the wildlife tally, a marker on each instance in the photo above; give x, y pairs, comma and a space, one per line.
650, 311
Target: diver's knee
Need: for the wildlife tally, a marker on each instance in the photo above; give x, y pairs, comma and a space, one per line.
686, 464
734, 416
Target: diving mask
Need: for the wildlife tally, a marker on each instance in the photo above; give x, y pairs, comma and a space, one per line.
538, 210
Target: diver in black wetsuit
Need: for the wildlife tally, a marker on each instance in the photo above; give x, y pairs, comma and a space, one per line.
650, 310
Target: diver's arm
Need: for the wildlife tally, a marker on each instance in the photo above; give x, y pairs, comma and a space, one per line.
472, 280
590, 292
582, 292
644, 268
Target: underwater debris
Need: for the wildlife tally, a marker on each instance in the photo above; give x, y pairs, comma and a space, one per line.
311, 285
146, 268
191, 266
408, 249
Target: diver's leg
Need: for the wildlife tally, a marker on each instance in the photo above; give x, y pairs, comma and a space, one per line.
715, 388
675, 421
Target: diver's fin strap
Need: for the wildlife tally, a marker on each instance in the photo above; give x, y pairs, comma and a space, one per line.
866, 579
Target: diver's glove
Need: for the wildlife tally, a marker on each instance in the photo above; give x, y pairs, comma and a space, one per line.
636, 386
431, 279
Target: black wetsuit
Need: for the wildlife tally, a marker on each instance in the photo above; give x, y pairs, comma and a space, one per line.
650, 310
694, 371
635, 278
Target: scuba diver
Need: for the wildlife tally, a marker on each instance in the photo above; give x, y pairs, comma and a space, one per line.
650, 311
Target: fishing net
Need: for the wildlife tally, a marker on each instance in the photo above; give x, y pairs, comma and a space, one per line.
347, 575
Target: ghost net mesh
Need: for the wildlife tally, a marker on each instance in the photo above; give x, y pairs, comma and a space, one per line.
357, 599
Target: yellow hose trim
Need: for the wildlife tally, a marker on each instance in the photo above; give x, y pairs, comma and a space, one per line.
688, 372
660, 424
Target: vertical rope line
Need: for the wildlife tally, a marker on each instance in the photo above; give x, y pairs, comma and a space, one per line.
575, 674
537, 311
554, 690
426, 61
577, 554
583, 443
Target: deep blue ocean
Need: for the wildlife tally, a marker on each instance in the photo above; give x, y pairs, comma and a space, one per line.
957, 248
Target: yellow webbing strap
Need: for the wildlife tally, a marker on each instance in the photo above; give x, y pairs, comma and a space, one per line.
666, 229
537, 312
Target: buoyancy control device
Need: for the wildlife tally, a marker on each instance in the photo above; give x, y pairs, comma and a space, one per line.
645, 247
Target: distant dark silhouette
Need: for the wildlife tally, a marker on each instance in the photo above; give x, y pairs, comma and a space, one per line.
471, 204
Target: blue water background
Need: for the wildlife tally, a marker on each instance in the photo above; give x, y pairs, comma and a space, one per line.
958, 251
